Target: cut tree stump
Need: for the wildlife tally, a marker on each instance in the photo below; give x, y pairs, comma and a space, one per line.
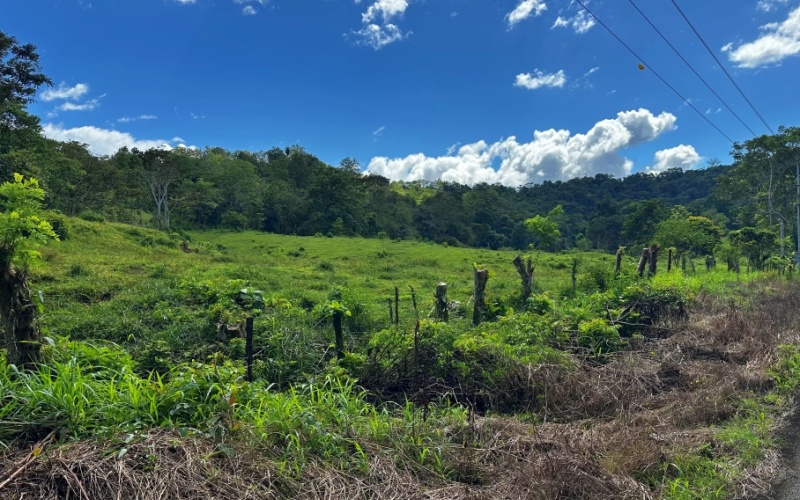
525, 270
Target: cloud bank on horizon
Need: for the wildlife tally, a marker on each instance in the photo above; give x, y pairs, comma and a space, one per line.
106, 142
551, 155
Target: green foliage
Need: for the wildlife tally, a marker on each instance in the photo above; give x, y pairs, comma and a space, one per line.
544, 231
642, 219
234, 220
761, 183
693, 234
599, 337
786, 372
22, 228
540, 303
756, 244
88, 391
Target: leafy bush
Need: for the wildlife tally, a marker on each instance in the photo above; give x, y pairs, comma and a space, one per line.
92, 216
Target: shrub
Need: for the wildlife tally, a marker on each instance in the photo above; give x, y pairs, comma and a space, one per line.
92, 216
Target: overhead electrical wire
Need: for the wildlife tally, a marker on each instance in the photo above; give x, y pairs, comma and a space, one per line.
687, 101
690, 66
722, 67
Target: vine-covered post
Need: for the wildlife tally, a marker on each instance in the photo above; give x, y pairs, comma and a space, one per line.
618, 263
525, 270
442, 311
481, 278
336, 311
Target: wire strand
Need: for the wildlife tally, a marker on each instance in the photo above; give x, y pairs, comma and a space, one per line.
730, 77
708, 86
620, 40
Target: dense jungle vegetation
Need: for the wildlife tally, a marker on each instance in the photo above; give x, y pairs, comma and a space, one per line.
128, 282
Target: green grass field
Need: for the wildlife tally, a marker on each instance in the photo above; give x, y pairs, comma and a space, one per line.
113, 262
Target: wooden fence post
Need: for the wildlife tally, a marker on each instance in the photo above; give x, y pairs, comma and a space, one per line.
248, 348
653, 260
643, 262
337, 328
391, 314
442, 309
618, 264
396, 306
574, 274
481, 278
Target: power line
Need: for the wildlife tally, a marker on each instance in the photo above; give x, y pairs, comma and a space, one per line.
690, 66
687, 101
722, 67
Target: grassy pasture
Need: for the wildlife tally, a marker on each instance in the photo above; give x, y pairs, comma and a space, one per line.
106, 262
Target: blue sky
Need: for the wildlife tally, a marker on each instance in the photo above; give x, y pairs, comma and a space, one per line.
510, 91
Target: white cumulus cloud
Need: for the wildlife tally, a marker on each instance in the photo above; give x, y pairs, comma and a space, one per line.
105, 142
682, 156
778, 41
580, 22
86, 106
550, 155
63, 92
378, 28
541, 79
386, 10
524, 10
769, 5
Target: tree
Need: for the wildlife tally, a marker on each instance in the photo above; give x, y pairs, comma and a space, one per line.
642, 219
20, 77
762, 181
161, 172
544, 230
689, 233
22, 231
756, 244
350, 165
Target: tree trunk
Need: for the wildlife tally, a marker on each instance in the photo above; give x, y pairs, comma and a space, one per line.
442, 312
23, 338
481, 277
525, 271
669, 260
